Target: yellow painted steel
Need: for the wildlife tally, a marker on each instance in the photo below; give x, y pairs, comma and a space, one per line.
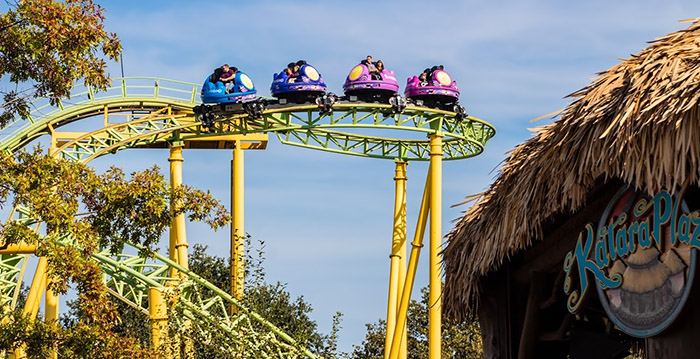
52, 143
416, 245
19, 248
51, 310
178, 237
15, 296
36, 291
106, 117
237, 227
51, 305
403, 255
398, 242
435, 299
158, 317
252, 141
51, 301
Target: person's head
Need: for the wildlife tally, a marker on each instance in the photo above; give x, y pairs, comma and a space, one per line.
424, 75
296, 67
225, 67
290, 66
440, 67
369, 58
380, 65
288, 71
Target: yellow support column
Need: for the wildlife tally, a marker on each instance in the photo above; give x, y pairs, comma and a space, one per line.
158, 317
435, 299
51, 301
416, 245
36, 291
51, 305
403, 349
237, 228
398, 243
51, 313
178, 237
403, 253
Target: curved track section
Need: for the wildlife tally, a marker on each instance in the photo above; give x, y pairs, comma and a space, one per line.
355, 128
351, 128
159, 112
135, 95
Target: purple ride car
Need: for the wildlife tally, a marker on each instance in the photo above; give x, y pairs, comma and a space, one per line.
360, 83
309, 84
440, 90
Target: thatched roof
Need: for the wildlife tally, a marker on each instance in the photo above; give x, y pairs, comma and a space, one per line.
637, 122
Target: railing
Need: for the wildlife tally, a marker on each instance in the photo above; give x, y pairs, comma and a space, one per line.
136, 88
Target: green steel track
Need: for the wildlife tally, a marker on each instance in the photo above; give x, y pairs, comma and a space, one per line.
159, 111
351, 128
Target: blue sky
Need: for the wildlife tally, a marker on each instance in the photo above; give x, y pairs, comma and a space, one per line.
326, 218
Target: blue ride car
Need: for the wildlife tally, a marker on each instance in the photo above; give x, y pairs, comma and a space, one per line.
240, 90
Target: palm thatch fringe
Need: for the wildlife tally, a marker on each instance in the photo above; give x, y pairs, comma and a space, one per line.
638, 122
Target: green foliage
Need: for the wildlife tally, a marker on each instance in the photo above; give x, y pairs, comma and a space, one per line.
132, 323
459, 340
81, 341
48, 45
113, 209
45, 47
272, 301
373, 344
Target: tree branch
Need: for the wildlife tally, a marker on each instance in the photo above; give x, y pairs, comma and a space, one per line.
17, 98
5, 28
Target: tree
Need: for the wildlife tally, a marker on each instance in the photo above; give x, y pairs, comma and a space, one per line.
459, 340
94, 211
45, 47
48, 45
271, 300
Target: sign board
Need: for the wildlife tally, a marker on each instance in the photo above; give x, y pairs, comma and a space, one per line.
640, 258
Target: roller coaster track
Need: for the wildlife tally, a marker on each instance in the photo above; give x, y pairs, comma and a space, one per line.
159, 112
